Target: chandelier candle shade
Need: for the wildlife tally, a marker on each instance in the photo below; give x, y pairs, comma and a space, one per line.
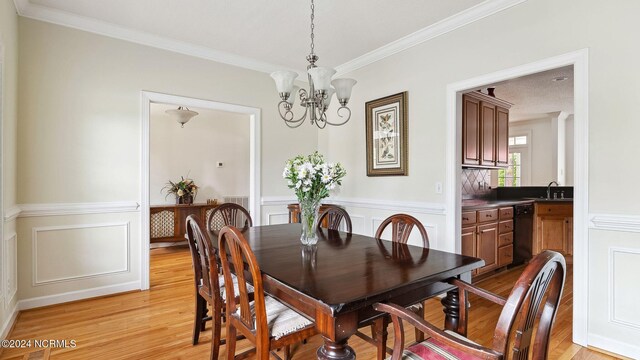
311, 178
316, 100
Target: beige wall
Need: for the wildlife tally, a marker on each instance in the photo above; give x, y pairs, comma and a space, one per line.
80, 138
523, 34
9, 106
210, 137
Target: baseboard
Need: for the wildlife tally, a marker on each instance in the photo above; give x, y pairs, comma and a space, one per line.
8, 324
614, 346
77, 295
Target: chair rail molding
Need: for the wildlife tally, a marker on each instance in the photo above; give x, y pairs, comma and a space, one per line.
367, 203
615, 222
56, 209
12, 213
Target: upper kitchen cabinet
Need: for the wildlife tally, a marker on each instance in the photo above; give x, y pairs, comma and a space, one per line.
485, 131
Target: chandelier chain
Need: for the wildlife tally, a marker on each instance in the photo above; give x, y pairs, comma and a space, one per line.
312, 26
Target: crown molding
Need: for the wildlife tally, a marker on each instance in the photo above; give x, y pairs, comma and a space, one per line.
465, 17
38, 12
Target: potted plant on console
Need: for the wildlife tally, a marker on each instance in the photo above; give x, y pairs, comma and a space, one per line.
184, 190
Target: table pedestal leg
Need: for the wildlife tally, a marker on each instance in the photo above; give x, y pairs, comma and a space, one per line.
335, 351
451, 308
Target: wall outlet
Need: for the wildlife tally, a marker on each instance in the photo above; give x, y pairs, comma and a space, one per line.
438, 188
219, 164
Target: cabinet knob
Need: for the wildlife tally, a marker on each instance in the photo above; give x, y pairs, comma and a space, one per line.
465, 219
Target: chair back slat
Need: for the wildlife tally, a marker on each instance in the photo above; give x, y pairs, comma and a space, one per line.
236, 256
204, 257
229, 214
334, 216
401, 227
534, 298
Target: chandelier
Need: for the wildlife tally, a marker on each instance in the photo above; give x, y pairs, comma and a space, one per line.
182, 115
315, 101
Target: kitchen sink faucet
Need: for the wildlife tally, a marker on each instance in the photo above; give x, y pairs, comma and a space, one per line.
549, 189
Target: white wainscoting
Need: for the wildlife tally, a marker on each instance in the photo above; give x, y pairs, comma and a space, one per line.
8, 323
10, 270
74, 252
277, 218
40, 301
624, 290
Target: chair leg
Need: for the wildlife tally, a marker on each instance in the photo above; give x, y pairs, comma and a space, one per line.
231, 342
420, 334
197, 322
215, 333
379, 334
287, 352
205, 311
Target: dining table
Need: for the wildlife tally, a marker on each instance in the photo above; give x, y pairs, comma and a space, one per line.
336, 282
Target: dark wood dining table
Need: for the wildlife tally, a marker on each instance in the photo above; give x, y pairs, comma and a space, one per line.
337, 281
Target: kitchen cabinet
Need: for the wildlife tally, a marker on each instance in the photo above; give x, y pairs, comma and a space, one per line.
485, 131
554, 227
488, 234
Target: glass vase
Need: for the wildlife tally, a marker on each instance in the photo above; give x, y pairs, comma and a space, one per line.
309, 220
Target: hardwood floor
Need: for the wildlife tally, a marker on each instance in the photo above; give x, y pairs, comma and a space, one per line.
157, 324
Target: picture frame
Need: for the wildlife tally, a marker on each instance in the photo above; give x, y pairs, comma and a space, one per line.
386, 134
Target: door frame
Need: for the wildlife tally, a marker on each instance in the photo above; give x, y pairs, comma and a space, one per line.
580, 61
147, 98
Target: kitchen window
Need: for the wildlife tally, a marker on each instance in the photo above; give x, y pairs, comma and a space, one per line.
512, 175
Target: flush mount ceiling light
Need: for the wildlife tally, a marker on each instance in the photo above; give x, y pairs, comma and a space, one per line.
182, 115
315, 101
559, 78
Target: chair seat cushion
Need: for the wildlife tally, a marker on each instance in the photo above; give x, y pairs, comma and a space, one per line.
432, 349
281, 320
223, 289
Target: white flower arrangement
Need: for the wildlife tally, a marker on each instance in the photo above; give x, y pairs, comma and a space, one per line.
311, 177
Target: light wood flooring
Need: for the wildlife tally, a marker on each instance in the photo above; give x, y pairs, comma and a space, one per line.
157, 324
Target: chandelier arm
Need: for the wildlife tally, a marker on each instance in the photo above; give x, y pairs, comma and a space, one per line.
341, 116
287, 116
323, 120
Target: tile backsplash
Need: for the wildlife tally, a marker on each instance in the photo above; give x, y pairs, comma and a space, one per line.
475, 182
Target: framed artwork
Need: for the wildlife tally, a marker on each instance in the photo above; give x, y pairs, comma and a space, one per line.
386, 124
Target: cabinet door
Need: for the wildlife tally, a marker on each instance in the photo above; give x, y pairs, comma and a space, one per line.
470, 131
568, 235
487, 134
487, 246
502, 137
468, 240
551, 233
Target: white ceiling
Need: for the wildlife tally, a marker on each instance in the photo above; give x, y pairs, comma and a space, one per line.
537, 96
268, 31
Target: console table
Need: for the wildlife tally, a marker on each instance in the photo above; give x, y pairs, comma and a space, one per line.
167, 223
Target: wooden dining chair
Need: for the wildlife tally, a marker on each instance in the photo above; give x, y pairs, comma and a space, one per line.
401, 227
208, 283
523, 329
265, 321
333, 216
229, 214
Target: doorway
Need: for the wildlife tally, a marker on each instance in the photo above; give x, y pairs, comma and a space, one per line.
149, 98
579, 61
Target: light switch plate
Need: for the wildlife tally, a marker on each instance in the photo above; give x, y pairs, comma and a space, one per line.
219, 164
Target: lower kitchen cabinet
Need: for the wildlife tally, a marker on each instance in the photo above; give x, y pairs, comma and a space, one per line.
488, 234
554, 228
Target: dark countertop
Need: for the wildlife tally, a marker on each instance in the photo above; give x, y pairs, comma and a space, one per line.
476, 204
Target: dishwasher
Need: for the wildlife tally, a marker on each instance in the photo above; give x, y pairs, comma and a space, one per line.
522, 234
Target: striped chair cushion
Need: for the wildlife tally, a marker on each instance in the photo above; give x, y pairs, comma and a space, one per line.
223, 290
431, 349
281, 320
